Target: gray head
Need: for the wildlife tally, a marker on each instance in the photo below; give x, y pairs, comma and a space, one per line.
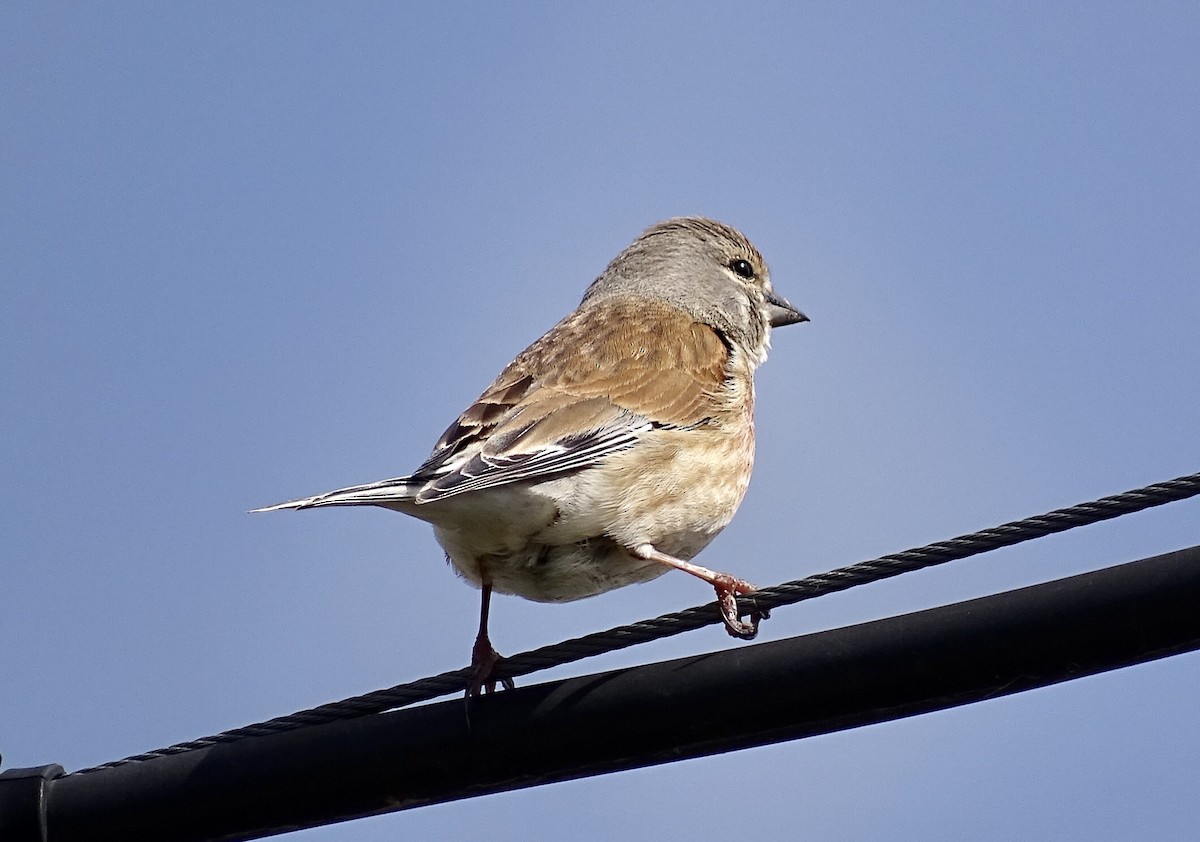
707, 269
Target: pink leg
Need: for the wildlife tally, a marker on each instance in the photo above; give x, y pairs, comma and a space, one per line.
485, 660
728, 587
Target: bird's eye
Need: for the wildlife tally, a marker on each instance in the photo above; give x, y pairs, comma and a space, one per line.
742, 268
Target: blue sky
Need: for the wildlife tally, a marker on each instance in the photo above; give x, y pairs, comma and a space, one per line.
253, 252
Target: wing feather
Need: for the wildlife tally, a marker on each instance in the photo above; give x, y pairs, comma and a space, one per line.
594, 384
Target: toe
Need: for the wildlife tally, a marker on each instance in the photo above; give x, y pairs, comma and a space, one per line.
487, 669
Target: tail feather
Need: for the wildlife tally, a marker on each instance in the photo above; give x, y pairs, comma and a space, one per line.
398, 490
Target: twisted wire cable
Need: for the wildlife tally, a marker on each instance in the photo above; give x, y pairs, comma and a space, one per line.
667, 625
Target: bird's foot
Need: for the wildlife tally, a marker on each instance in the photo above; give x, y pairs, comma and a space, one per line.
486, 669
728, 589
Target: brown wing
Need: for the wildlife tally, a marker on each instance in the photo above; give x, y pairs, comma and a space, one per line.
588, 388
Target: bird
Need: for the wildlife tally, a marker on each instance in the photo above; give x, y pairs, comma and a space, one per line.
616, 446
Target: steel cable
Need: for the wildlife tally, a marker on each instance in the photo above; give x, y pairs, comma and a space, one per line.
787, 593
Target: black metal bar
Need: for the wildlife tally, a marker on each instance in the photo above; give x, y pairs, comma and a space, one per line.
23, 802
741, 697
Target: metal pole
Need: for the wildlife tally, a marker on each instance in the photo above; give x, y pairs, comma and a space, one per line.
737, 698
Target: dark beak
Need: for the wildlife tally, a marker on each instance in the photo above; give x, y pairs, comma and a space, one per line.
781, 312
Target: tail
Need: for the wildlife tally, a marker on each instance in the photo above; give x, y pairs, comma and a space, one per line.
398, 490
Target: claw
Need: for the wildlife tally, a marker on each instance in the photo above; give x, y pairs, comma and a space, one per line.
728, 588
486, 669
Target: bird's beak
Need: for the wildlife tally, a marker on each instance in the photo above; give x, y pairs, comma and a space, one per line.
781, 312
